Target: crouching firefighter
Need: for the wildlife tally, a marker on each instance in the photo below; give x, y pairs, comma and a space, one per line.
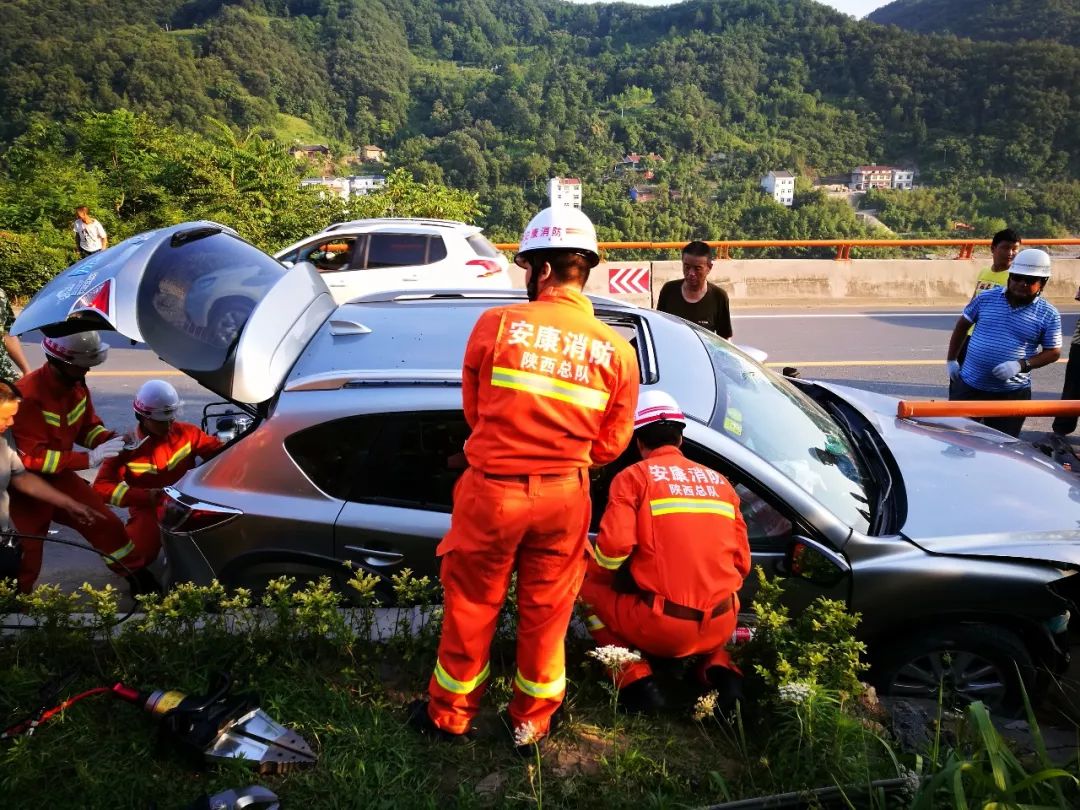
164, 451
671, 554
57, 414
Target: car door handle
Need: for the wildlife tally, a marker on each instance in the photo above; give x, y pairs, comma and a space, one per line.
377, 556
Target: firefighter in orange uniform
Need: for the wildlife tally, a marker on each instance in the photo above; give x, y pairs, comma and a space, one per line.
549, 391
166, 450
671, 554
56, 414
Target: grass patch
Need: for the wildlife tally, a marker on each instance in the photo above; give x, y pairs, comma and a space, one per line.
320, 671
291, 128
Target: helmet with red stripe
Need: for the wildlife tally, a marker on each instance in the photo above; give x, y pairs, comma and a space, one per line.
657, 406
83, 349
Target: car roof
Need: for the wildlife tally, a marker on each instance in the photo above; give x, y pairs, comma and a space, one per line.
392, 223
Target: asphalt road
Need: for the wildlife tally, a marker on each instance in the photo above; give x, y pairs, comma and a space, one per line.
899, 352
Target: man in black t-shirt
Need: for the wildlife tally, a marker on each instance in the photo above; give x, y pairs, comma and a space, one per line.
694, 298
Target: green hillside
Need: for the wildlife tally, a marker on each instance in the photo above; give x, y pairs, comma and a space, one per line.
1000, 20
495, 96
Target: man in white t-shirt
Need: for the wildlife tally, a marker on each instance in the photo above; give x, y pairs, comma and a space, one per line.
90, 236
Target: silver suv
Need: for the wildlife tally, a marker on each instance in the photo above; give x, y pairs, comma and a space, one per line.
357, 419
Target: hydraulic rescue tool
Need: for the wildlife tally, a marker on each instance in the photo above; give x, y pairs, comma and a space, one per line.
210, 728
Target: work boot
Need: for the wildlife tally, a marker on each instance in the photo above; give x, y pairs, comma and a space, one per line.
728, 686
642, 696
525, 747
416, 716
143, 581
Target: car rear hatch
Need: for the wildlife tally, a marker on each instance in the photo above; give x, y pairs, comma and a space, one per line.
141, 288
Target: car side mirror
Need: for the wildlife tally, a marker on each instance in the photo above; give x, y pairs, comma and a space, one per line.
817, 563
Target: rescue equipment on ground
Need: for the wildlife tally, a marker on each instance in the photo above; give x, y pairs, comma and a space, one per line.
253, 797
204, 728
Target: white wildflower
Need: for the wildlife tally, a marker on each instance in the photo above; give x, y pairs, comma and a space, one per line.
613, 656
705, 705
796, 692
526, 734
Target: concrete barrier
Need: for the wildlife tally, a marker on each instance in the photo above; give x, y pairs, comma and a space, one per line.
825, 282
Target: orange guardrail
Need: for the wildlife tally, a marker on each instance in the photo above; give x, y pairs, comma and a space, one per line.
843, 246
1039, 407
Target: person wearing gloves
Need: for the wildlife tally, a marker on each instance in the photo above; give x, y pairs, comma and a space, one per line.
57, 414
1016, 331
164, 450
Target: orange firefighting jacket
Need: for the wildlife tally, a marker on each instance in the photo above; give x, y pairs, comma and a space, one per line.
52, 418
547, 387
158, 462
677, 525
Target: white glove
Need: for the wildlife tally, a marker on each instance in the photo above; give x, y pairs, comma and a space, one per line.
954, 369
1007, 370
109, 449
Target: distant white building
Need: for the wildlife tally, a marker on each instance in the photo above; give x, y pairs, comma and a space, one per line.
362, 184
780, 185
864, 178
345, 187
564, 191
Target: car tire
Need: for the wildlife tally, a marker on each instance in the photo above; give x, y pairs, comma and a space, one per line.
226, 320
969, 661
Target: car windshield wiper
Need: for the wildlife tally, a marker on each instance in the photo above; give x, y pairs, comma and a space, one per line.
859, 439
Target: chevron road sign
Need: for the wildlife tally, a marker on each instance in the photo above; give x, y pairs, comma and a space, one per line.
629, 280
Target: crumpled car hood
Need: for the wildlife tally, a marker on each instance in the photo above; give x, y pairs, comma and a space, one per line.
974, 491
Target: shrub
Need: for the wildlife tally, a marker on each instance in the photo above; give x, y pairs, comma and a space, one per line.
27, 264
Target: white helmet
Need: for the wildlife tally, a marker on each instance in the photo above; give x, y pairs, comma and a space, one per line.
561, 228
657, 406
157, 400
1031, 262
83, 349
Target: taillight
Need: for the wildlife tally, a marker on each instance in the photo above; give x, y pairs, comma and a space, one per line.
96, 300
181, 515
489, 266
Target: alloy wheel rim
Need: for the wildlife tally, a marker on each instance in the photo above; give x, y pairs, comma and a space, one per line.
962, 676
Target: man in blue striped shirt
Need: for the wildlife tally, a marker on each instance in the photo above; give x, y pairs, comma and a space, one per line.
1016, 330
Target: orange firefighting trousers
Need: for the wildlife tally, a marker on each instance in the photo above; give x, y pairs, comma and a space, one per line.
624, 620
31, 516
536, 525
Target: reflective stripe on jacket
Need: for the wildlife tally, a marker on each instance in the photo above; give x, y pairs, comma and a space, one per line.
53, 417
158, 462
547, 387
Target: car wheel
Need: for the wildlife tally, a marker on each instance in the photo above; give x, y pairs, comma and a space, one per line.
227, 319
964, 663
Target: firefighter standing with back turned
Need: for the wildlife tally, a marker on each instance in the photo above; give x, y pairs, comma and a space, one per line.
56, 414
671, 554
167, 450
549, 391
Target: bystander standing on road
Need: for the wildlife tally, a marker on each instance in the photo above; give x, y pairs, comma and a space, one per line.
1003, 249
549, 391
695, 298
13, 362
90, 236
1015, 330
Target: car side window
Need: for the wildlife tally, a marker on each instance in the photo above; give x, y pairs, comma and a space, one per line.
399, 250
411, 459
767, 527
330, 255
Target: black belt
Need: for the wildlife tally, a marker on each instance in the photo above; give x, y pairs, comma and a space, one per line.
677, 611
524, 479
